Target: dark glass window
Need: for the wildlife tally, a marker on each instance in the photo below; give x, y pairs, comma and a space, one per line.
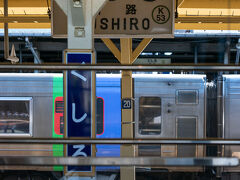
150, 117
186, 128
15, 116
187, 97
59, 106
100, 116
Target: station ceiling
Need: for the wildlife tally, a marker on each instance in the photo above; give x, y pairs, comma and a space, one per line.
193, 14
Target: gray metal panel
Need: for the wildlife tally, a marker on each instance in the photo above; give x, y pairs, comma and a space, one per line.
43, 115
25, 85
165, 87
38, 86
231, 106
149, 150
231, 114
186, 128
187, 97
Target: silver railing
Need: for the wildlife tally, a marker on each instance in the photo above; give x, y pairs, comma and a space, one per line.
27, 140
75, 66
120, 161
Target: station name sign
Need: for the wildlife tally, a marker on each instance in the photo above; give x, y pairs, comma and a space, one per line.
135, 18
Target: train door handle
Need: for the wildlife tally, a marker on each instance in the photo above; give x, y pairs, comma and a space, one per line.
169, 111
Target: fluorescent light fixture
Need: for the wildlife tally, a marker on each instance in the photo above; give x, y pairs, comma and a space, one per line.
146, 54
168, 53
157, 53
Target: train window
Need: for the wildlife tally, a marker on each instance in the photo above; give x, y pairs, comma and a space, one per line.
15, 116
186, 128
58, 116
100, 116
187, 97
150, 116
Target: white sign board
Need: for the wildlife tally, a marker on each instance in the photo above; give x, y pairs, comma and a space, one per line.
136, 18
153, 61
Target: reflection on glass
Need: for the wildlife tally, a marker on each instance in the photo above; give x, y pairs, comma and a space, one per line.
150, 117
14, 116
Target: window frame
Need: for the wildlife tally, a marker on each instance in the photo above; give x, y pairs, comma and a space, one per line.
30, 99
187, 90
161, 111
103, 115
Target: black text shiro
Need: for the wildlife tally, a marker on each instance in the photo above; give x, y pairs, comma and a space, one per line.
124, 24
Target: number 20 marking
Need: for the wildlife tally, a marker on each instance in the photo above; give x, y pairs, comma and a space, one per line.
126, 104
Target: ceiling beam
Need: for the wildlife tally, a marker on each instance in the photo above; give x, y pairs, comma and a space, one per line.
208, 19
27, 25
211, 4
25, 19
27, 3
207, 26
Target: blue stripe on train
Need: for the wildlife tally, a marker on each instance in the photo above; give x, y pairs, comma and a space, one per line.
109, 89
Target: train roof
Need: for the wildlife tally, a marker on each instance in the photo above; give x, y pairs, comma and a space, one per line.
231, 77
31, 75
152, 76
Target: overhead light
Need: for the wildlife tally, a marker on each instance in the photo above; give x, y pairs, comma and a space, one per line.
199, 22
146, 54
179, 22
35, 21
15, 21
157, 53
220, 22
168, 53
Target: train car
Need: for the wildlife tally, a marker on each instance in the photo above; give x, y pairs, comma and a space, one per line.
229, 116
165, 106
31, 105
170, 106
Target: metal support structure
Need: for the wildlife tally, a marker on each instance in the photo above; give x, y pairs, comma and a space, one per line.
196, 54
6, 38
143, 44
227, 52
220, 120
29, 45
113, 48
126, 57
80, 37
118, 161
127, 114
20, 54
25, 19
237, 53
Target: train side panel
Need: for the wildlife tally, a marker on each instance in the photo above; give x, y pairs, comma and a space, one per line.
231, 114
108, 89
170, 106
38, 89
